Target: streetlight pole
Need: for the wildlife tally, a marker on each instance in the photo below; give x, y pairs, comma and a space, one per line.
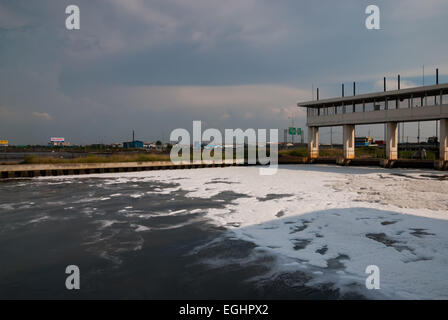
292, 125
331, 136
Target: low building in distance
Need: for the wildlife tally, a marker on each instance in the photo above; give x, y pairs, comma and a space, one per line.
136, 144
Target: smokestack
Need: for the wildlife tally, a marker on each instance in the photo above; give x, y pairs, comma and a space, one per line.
317, 93
384, 84
437, 76
354, 88
398, 82
133, 136
343, 90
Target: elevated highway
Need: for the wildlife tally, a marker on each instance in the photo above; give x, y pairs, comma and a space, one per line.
422, 103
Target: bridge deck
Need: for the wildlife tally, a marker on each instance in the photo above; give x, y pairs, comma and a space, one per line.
381, 116
406, 105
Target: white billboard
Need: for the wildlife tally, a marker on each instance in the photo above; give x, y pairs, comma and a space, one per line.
56, 139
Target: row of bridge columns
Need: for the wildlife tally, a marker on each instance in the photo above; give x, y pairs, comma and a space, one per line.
391, 141
348, 139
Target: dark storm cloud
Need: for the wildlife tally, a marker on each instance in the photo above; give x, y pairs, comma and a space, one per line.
156, 65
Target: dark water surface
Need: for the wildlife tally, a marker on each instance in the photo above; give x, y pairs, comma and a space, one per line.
137, 239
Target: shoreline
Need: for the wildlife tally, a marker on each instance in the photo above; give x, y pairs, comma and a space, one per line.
36, 170
58, 169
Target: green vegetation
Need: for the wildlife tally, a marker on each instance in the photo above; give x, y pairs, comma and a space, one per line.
407, 154
303, 152
98, 159
330, 153
360, 152
299, 152
370, 152
286, 155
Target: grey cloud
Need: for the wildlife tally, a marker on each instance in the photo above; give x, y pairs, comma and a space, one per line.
159, 64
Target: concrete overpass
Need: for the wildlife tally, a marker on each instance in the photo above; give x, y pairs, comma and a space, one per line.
389, 107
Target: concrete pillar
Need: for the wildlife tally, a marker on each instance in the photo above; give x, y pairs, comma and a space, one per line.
349, 141
313, 142
444, 139
392, 141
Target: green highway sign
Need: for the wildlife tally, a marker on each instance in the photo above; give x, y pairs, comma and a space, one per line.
292, 131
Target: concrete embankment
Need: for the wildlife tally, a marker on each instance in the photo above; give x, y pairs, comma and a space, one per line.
36, 170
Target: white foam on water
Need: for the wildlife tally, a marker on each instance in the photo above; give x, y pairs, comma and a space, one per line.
140, 228
61, 182
177, 211
106, 223
91, 199
7, 206
136, 195
40, 219
334, 222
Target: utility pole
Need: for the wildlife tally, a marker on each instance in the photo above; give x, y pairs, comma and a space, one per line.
397, 105
423, 83
423, 80
402, 134
331, 136
292, 122
435, 102
437, 129
384, 82
418, 133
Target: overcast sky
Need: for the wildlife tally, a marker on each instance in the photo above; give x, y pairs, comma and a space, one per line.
157, 65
